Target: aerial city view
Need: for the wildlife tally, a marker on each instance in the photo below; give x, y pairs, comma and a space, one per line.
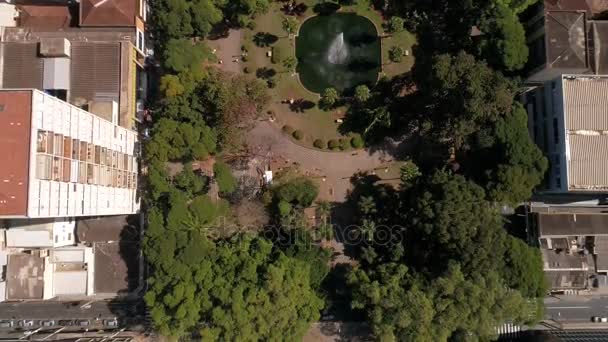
304, 170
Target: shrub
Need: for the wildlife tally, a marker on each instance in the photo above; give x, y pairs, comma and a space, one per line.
344, 143
333, 144
395, 54
244, 58
288, 129
357, 142
319, 143
395, 24
246, 70
224, 178
298, 134
277, 55
271, 83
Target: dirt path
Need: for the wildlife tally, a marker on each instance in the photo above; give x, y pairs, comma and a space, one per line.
337, 167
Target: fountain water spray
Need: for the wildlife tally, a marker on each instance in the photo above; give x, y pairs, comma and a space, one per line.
338, 51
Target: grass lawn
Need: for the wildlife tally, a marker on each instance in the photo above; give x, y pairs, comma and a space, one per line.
314, 122
405, 40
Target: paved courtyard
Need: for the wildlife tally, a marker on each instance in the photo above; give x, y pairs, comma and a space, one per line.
335, 167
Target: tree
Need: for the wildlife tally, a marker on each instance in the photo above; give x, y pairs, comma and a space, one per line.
463, 95
524, 269
205, 14
290, 25
188, 182
329, 98
402, 306
224, 178
206, 211
362, 93
172, 19
300, 191
170, 86
448, 214
233, 289
503, 43
172, 140
395, 24
395, 54
181, 55
523, 165
289, 63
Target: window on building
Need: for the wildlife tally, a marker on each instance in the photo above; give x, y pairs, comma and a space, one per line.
43, 167
58, 145
41, 141
558, 182
140, 40
555, 131
69, 236
56, 238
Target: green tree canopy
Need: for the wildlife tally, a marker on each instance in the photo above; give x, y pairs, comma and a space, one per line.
329, 98
464, 94
239, 289
504, 39
524, 269
181, 55
362, 93
205, 14
300, 191
224, 178
172, 19
174, 140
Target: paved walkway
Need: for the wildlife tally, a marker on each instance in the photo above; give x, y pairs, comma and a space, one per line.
336, 167
228, 49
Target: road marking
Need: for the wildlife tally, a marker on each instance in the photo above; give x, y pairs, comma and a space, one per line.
568, 307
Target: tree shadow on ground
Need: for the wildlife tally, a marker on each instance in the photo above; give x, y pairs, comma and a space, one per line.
264, 39
326, 8
301, 105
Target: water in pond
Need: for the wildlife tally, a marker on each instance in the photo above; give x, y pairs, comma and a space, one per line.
341, 50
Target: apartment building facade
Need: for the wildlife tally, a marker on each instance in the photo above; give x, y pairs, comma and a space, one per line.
63, 161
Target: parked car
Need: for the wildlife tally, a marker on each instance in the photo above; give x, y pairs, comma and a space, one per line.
49, 323
26, 323
604, 319
6, 324
84, 323
66, 323
595, 319
110, 323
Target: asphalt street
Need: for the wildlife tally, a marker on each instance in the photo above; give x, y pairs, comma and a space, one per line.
576, 309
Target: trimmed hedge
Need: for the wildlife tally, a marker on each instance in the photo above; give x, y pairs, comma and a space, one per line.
357, 142
319, 143
288, 129
333, 144
344, 143
298, 134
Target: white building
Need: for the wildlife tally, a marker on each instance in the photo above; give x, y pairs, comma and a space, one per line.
62, 161
45, 274
41, 233
568, 119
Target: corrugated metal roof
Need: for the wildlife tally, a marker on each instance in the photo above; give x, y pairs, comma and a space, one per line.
95, 72
586, 103
588, 163
22, 67
586, 124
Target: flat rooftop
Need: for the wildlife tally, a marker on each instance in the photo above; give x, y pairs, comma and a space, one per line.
25, 277
15, 123
586, 126
116, 267
123, 228
566, 224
